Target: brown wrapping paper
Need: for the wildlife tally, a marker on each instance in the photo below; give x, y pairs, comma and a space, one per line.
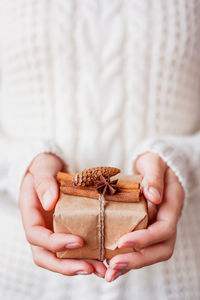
80, 216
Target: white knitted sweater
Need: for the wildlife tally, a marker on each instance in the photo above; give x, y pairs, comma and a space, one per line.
97, 82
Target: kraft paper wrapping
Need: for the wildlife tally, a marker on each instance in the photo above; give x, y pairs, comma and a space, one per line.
80, 216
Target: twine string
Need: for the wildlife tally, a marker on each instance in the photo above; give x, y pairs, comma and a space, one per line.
102, 203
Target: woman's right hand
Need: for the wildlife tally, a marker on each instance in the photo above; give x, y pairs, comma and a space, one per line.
38, 196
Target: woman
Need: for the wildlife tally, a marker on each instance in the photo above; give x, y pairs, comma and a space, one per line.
94, 83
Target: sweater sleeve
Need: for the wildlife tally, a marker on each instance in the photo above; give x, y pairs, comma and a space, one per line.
182, 155
15, 158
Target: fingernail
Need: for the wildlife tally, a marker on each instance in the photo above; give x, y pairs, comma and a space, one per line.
116, 275
73, 245
82, 273
120, 266
154, 192
47, 199
128, 245
144, 185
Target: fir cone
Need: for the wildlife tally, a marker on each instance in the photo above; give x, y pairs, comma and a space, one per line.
88, 177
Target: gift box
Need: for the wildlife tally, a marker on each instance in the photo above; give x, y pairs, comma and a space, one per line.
100, 219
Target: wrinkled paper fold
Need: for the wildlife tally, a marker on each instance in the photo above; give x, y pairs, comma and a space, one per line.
80, 216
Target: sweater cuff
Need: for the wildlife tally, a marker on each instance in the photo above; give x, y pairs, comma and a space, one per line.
19, 167
170, 150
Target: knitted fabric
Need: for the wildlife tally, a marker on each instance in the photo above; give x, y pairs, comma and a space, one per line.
98, 82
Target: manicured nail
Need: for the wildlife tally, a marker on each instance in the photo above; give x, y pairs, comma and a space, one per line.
128, 245
154, 192
144, 185
116, 275
47, 199
72, 245
120, 266
82, 273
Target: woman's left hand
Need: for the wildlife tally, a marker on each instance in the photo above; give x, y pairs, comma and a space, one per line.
156, 243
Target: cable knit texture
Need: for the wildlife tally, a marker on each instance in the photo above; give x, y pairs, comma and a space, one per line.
98, 82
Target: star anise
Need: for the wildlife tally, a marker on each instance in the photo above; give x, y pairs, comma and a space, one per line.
106, 186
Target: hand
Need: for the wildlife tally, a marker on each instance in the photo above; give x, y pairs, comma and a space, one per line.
156, 243
38, 196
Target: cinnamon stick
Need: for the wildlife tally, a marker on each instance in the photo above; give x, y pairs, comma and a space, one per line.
65, 179
123, 186
128, 191
89, 192
61, 176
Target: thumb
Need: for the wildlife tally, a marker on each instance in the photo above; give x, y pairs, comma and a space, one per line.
152, 168
44, 169
47, 190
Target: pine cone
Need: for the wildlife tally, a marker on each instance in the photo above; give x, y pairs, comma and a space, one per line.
88, 177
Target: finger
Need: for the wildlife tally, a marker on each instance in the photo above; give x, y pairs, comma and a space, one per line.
44, 169
145, 257
48, 260
112, 274
152, 167
108, 261
166, 223
34, 223
171, 180
55, 242
152, 212
157, 232
174, 198
47, 190
98, 266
